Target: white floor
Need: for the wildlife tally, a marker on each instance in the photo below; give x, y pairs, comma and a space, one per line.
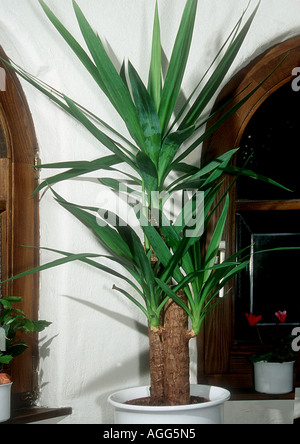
262, 412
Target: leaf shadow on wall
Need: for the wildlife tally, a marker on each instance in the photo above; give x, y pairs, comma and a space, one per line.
125, 320
117, 373
44, 353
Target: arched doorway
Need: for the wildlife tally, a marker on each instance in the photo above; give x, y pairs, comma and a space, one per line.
223, 357
19, 220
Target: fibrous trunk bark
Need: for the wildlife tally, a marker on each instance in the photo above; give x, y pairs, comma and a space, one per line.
169, 358
176, 355
156, 368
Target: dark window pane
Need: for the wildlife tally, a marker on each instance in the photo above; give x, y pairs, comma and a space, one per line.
272, 137
271, 282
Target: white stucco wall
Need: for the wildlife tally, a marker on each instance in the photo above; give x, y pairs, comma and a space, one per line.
89, 351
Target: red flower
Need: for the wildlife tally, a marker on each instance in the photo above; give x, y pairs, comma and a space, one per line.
253, 320
281, 315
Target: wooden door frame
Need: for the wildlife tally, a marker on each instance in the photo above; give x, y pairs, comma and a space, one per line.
21, 222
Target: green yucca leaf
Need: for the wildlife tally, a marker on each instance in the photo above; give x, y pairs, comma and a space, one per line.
78, 112
177, 65
173, 240
176, 260
208, 297
87, 259
180, 254
138, 252
56, 263
57, 96
109, 270
115, 185
168, 151
101, 163
123, 74
218, 165
78, 169
226, 116
222, 268
107, 235
155, 79
217, 57
218, 76
214, 244
184, 167
171, 294
96, 132
122, 240
188, 215
249, 173
74, 45
158, 245
115, 88
148, 173
162, 252
132, 299
219, 279
147, 114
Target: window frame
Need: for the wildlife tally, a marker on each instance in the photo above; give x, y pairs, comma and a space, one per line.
20, 224
220, 361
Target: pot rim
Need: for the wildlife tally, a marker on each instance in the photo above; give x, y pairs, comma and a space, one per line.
223, 397
6, 385
275, 363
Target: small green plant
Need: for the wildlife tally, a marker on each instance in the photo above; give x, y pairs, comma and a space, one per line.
281, 350
13, 320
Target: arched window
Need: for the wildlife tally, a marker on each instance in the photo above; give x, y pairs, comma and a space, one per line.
267, 127
19, 221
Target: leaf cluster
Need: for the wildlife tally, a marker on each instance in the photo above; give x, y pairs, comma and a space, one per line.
280, 352
13, 320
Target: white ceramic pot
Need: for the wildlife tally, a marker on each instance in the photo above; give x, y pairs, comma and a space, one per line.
207, 413
274, 378
5, 396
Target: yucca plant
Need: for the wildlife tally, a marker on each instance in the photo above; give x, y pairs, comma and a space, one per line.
167, 275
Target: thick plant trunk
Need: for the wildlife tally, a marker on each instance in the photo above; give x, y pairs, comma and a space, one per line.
156, 368
176, 356
169, 358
